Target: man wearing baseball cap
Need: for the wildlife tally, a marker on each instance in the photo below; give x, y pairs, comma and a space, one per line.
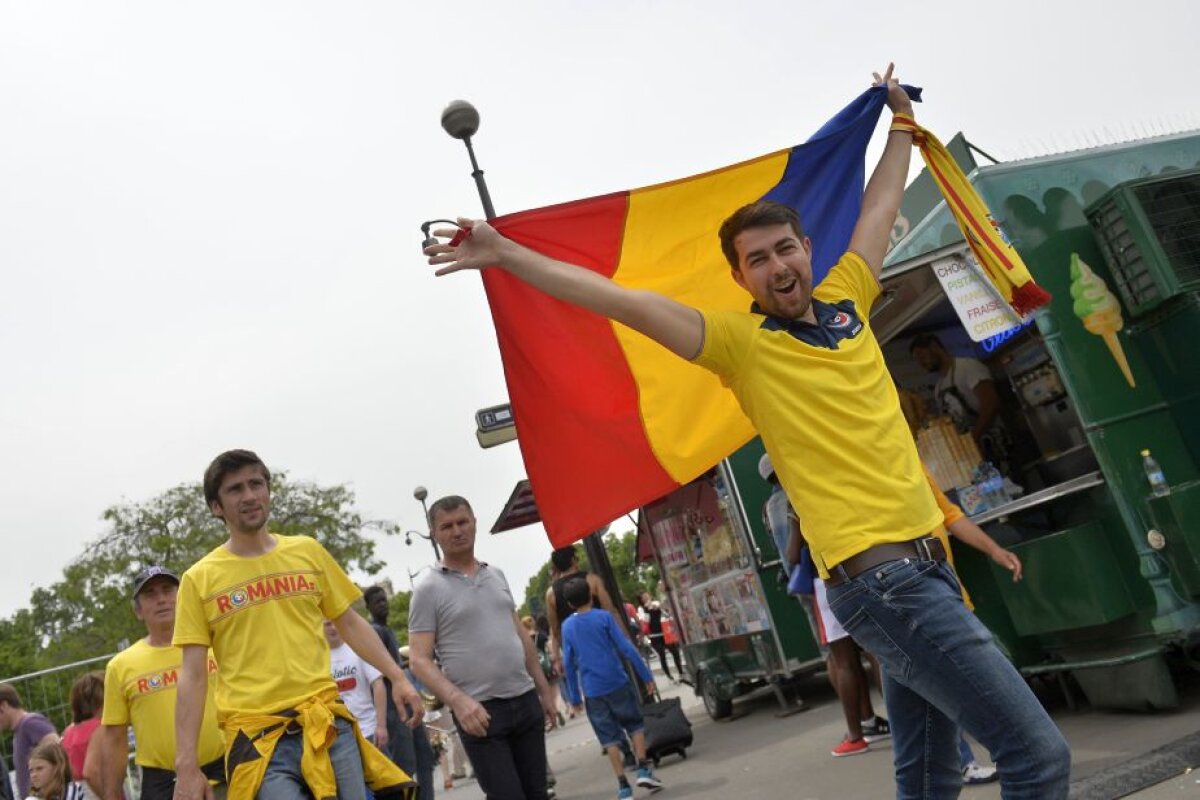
139, 690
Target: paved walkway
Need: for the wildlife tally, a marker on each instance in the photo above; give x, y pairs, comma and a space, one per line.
759, 755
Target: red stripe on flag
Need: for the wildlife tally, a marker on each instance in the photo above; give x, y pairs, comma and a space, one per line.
571, 389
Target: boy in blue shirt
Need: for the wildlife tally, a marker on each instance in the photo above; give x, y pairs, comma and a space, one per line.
592, 647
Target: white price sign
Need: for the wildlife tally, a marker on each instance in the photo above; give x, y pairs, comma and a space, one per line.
979, 305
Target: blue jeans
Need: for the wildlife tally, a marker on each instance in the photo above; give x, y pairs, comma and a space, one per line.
426, 761
941, 671
965, 757
283, 780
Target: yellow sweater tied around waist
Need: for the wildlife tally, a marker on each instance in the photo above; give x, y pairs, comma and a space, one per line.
999, 259
250, 742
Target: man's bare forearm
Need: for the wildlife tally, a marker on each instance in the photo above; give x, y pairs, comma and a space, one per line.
364, 641
433, 679
114, 744
675, 326
190, 695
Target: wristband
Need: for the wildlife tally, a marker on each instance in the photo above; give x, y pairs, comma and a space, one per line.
903, 123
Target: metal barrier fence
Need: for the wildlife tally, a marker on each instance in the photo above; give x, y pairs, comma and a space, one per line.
48, 692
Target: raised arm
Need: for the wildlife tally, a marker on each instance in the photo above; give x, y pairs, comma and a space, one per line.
677, 327
885, 190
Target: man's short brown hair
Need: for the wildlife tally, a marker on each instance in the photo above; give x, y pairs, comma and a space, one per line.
759, 214
227, 462
9, 695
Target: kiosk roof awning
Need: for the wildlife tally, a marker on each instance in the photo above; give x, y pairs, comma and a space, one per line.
520, 510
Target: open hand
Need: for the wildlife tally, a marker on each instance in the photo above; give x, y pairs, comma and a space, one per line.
479, 246
897, 99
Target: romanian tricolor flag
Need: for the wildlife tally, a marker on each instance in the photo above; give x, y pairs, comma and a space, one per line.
607, 419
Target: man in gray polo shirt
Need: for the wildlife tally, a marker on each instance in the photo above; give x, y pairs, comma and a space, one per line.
490, 677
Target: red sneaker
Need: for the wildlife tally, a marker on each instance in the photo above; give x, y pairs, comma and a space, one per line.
850, 747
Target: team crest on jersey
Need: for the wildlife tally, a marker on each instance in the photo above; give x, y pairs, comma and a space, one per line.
268, 587
840, 320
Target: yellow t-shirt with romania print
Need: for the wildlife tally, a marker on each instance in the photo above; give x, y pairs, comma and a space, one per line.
139, 690
263, 618
824, 403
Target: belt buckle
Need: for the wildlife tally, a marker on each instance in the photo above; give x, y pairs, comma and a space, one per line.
923, 551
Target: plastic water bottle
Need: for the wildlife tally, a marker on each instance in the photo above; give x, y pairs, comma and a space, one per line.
1154, 474
991, 485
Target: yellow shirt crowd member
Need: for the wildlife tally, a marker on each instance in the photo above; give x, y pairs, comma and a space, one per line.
139, 690
263, 618
827, 410
951, 514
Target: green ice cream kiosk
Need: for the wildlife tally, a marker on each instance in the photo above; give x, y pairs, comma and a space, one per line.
1108, 370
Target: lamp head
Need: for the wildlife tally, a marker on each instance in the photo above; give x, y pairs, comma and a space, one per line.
460, 119
420, 493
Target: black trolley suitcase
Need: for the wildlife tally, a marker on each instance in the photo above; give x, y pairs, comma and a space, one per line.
667, 729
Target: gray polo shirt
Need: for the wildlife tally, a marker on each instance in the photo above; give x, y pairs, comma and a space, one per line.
471, 619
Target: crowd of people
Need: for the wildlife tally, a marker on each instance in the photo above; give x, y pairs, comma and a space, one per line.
263, 612
807, 370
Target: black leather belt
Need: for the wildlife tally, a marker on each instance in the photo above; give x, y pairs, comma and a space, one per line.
927, 548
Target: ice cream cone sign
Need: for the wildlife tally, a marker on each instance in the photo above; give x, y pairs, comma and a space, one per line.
1099, 310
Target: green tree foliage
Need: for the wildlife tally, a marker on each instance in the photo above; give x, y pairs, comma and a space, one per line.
632, 577
88, 612
398, 615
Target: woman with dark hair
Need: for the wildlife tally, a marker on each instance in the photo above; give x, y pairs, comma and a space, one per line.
82, 746
653, 613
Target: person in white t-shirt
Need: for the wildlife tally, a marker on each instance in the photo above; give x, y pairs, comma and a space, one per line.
361, 687
965, 388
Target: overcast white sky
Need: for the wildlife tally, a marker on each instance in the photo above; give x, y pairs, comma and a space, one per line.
209, 211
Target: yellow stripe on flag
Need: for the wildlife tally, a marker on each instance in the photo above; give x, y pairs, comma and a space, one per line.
671, 247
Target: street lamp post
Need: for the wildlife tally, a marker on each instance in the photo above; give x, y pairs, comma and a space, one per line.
461, 120
420, 493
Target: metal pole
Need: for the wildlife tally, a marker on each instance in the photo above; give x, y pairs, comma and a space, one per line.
593, 545
480, 183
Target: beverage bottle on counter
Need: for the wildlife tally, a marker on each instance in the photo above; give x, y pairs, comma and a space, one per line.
993, 486
1154, 474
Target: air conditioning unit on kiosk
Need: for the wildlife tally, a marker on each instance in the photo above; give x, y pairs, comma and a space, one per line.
1149, 232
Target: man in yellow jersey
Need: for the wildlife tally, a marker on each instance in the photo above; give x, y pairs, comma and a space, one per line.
139, 690
809, 373
259, 601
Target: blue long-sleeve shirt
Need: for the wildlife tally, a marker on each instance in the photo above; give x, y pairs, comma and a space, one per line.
592, 650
